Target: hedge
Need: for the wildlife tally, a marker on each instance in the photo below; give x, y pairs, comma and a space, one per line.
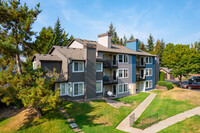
162, 76
169, 85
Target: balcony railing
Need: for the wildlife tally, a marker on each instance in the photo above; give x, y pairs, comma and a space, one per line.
110, 64
140, 64
110, 80
140, 78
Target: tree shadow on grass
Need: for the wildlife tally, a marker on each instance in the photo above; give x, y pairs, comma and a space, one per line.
83, 113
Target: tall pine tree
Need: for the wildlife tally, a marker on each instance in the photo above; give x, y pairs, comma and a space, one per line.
16, 23
150, 42
114, 37
131, 37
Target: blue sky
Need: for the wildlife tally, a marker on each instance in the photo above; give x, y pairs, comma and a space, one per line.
175, 21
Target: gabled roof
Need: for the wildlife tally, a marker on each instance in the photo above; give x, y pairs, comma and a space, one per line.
114, 48
166, 69
46, 57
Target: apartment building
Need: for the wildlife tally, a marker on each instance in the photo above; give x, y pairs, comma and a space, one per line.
89, 69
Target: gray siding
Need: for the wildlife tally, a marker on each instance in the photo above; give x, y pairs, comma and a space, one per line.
129, 66
99, 76
90, 73
50, 65
75, 76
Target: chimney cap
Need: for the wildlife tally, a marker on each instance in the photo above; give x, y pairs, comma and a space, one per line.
133, 40
104, 34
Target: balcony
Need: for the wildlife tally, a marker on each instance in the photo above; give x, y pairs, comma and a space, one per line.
110, 64
110, 80
140, 64
140, 78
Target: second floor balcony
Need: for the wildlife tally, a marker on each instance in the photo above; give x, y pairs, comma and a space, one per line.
140, 78
140, 64
110, 80
110, 64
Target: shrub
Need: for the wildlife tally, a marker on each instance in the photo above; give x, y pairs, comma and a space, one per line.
162, 76
169, 85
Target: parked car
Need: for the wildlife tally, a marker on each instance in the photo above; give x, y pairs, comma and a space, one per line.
194, 79
191, 85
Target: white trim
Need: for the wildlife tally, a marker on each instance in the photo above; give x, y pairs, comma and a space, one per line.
66, 89
82, 88
148, 69
123, 73
148, 58
101, 81
149, 84
123, 88
34, 65
78, 66
123, 59
101, 67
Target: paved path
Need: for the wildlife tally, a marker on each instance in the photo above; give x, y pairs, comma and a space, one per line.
125, 124
172, 120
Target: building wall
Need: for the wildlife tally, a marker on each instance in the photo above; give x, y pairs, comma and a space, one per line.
153, 73
76, 44
49, 66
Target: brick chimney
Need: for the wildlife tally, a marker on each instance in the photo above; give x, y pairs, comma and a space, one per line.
105, 39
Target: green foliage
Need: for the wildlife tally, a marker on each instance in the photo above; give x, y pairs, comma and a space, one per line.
150, 46
197, 46
162, 76
131, 37
169, 85
181, 59
35, 89
142, 46
16, 23
45, 40
159, 49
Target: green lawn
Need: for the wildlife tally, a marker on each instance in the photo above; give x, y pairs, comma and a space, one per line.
190, 125
92, 117
167, 104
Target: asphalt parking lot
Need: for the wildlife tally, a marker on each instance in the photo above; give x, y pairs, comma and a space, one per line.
184, 81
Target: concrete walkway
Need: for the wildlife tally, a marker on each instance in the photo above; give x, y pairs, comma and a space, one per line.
125, 124
172, 120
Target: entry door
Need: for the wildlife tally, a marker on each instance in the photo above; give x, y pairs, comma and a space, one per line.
142, 61
114, 75
142, 73
114, 60
114, 90
142, 87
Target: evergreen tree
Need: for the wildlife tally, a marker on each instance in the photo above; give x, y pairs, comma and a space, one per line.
45, 40
15, 29
150, 42
61, 38
142, 46
114, 37
125, 39
197, 46
131, 37
121, 42
36, 90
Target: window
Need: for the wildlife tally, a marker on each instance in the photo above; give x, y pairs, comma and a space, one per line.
63, 89
149, 72
99, 67
99, 86
149, 84
78, 88
123, 88
148, 60
123, 58
123, 73
78, 66
34, 65
120, 73
120, 88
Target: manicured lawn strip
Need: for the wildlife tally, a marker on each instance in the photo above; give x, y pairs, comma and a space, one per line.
165, 107
51, 122
98, 116
189, 125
